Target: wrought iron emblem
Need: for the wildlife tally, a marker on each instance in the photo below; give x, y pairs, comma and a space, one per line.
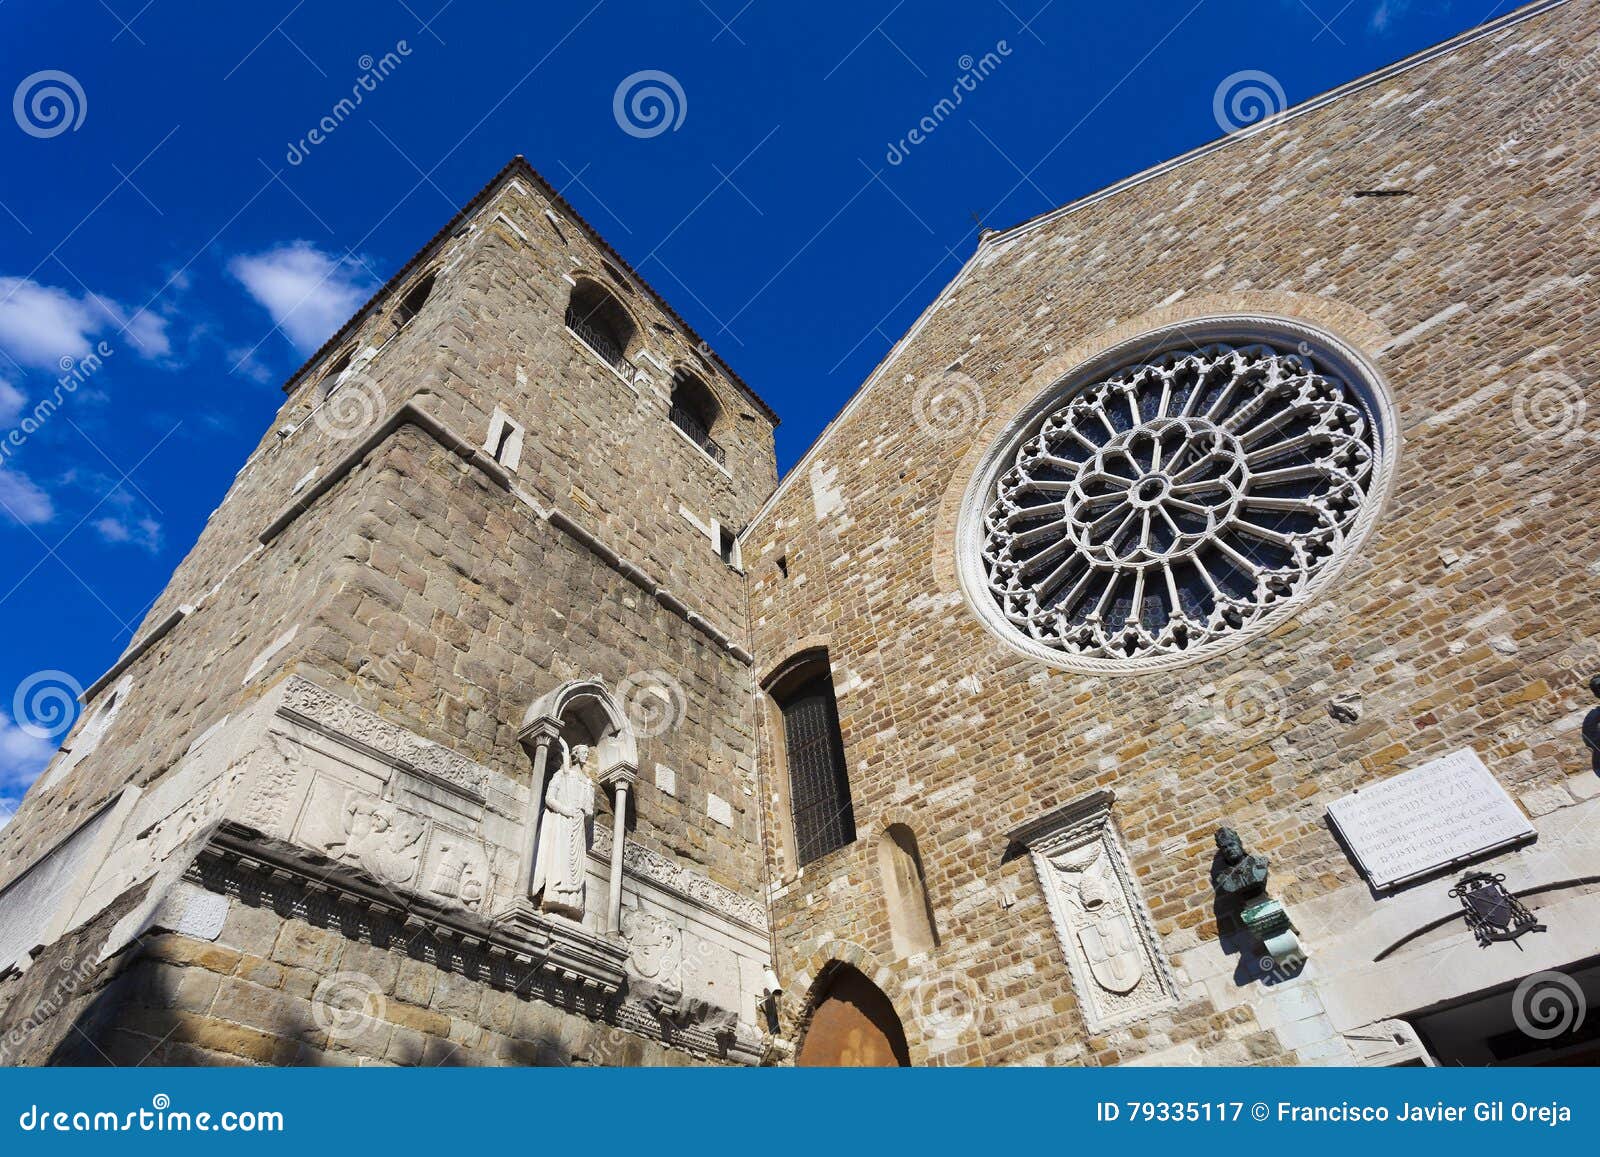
1492, 912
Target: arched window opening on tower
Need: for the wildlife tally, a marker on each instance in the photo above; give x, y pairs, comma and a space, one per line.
601, 323
822, 815
905, 890
695, 411
411, 304
334, 378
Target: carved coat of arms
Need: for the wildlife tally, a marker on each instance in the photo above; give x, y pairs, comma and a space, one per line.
1102, 923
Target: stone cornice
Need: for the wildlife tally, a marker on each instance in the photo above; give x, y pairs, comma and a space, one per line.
533, 955
409, 413
560, 958
1087, 811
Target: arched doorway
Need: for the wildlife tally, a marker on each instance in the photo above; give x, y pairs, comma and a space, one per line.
853, 1025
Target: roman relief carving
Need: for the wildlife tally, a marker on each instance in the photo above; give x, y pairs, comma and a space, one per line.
461, 872
1118, 969
655, 961
377, 837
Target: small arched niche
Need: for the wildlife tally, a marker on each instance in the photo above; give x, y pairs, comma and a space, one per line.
852, 1025
905, 891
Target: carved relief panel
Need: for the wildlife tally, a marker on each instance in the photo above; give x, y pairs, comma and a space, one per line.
1118, 969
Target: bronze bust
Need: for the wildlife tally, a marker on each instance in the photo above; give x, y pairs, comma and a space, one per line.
1238, 875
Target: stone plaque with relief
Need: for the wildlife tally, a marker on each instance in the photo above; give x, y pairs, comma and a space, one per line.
1446, 812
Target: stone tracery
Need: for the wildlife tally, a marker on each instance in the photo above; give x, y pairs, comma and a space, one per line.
1178, 501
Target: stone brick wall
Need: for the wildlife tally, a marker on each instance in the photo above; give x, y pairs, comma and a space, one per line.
1467, 620
273, 991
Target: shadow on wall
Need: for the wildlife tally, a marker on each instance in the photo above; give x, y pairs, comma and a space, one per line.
852, 1024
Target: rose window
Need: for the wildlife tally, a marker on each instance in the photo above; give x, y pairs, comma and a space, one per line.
1167, 508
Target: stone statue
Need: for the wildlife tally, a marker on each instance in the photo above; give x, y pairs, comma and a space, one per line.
1239, 876
563, 855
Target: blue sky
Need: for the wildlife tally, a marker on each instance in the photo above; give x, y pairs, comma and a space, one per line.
160, 203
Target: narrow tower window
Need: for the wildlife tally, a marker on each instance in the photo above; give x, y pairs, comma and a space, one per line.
411, 304
819, 785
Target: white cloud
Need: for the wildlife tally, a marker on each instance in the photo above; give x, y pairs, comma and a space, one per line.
245, 362
41, 324
11, 402
142, 532
1388, 11
22, 758
21, 499
309, 293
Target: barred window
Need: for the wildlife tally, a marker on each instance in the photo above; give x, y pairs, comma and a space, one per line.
819, 786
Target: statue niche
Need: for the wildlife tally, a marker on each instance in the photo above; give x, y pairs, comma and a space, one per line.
561, 865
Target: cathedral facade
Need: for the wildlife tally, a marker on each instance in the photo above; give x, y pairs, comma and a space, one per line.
1177, 651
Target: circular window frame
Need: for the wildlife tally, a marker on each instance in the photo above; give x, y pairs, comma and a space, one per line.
1329, 351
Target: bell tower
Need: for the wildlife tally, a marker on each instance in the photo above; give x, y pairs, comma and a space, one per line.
439, 745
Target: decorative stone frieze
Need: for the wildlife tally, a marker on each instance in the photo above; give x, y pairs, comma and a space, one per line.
1118, 969
307, 703
642, 863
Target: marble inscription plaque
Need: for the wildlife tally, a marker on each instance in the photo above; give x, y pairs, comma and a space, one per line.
1442, 813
